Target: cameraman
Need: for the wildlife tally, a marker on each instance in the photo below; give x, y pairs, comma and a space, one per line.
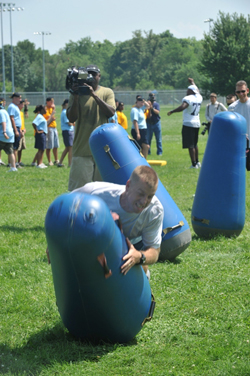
88, 112
212, 109
154, 123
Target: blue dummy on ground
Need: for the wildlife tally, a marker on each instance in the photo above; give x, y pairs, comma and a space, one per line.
95, 300
116, 156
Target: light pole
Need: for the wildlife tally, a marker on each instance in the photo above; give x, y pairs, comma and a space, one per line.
43, 33
11, 9
209, 20
3, 67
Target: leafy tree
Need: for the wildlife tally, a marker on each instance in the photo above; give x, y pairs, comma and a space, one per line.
226, 58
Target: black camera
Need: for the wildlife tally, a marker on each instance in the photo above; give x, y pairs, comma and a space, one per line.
79, 77
207, 126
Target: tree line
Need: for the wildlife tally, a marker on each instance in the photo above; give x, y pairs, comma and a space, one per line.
147, 61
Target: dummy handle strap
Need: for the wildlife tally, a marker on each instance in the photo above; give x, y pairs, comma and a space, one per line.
103, 261
115, 164
136, 145
201, 220
151, 310
169, 229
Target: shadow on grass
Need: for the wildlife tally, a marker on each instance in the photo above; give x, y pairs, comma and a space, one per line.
21, 229
50, 347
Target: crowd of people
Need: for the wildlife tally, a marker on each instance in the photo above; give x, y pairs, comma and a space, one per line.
12, 132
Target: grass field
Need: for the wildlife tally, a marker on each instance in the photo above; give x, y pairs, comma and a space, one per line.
201, 324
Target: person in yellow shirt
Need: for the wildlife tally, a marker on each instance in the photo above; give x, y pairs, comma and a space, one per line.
121, 117
52, 140
22, 144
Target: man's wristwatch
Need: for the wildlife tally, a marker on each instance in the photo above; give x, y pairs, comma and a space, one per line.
142, 259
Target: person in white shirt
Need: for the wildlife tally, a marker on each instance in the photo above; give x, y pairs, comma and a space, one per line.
139, 211
213, 108
242, 105
190, 106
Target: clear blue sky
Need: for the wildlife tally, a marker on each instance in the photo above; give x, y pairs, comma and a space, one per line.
112, 19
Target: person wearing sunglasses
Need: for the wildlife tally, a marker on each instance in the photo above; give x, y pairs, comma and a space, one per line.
242, 105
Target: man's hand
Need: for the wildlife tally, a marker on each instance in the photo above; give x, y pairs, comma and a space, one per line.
91, 90
6, 136
131, 258
191, 80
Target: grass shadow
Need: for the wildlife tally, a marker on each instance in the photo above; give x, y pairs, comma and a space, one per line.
51, 346
17, 229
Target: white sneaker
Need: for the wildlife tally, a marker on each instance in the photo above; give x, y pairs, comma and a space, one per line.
12, 169
2, 163
50, 163
198, 164
41, 166
194, 166
148, 274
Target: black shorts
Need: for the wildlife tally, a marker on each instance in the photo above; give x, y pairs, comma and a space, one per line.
144, 136
68, 138
17, 139
40, 141
189, 137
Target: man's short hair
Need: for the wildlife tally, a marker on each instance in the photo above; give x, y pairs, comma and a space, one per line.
49, 99
230, 96
145, 173
241, 83
213, 95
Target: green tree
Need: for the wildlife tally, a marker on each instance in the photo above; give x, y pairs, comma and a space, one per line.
226, 57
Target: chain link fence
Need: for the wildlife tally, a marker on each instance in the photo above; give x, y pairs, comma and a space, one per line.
171, 98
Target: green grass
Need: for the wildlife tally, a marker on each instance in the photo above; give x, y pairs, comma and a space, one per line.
201, 324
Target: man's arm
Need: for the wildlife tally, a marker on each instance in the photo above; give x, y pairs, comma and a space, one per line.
14, 125
182, 107
133, 257
4, 130
108, 110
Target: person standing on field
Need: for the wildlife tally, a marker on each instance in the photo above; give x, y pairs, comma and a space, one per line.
190, 106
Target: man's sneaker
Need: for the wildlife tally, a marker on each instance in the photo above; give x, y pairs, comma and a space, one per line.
2, 163
18, 165
50, 163
41, 166
60, 165
194, 166
21, 164
33, 164
12, 169
198, 164
56, 162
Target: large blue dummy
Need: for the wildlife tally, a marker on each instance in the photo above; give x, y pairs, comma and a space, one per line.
95, 300
219, 203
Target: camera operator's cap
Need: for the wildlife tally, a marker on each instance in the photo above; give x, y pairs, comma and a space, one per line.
65, 101
193, 88
15, 95
151, 96
22, 101
93, 68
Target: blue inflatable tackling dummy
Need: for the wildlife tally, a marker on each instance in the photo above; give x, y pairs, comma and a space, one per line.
116, 156
219, 203
95, 300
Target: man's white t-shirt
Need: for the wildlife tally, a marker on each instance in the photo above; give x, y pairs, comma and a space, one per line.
242, 109
147, 224
191, 117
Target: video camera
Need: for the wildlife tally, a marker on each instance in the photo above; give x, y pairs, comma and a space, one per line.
80, 77
207, 125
